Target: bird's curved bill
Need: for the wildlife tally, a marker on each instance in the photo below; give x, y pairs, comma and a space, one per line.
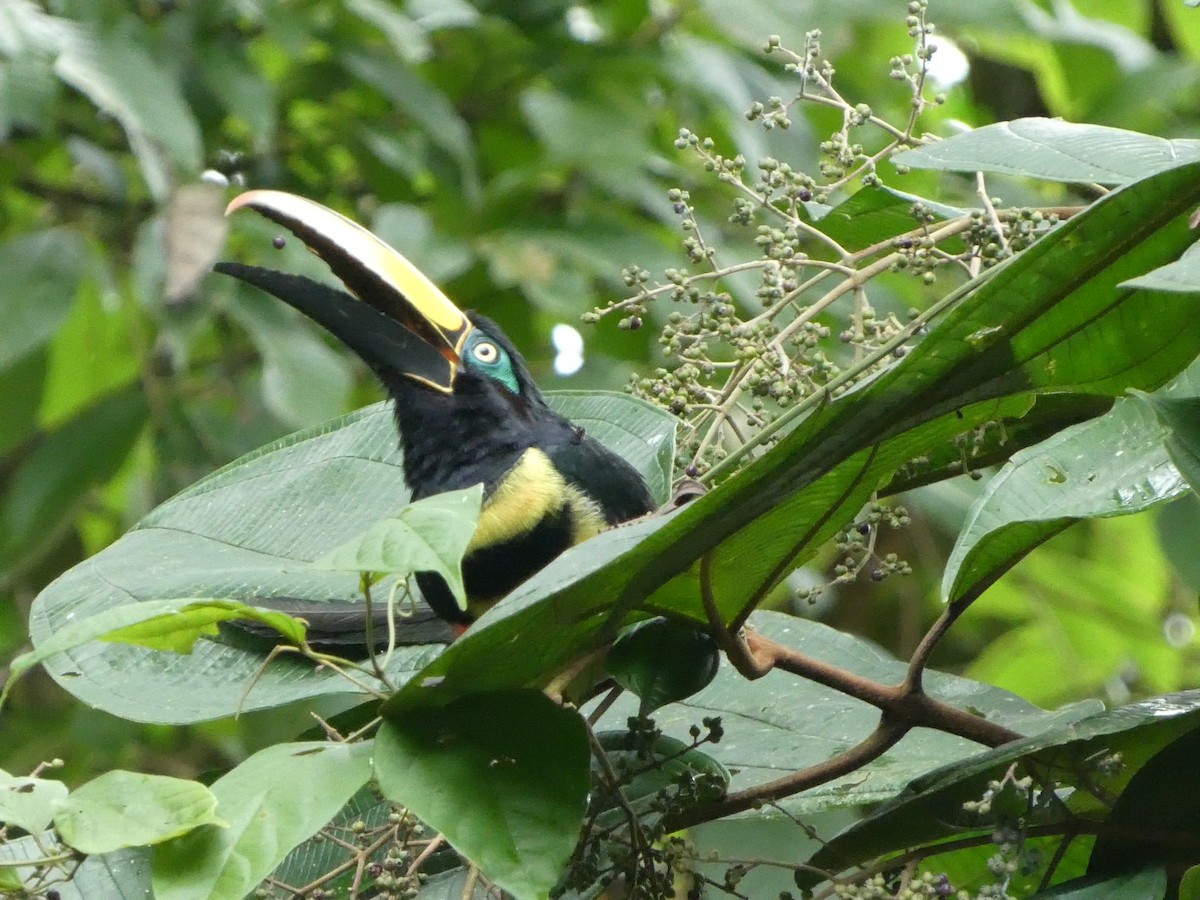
407, 325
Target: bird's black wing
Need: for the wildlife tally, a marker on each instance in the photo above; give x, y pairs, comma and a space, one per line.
339, 625
605, 477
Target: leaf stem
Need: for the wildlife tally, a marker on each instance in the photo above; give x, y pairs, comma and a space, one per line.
883, 738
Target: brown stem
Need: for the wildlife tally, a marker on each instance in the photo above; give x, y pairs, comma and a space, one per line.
603, 706
920, 657
902, 702
424, 855
903, 706
872, 747
737, 649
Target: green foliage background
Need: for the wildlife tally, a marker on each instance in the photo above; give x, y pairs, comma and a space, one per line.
520, 153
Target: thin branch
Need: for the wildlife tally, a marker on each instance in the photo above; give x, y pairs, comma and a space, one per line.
341, 666
424, 855
1060, 851
604, 705
843, 380
364, 579
468, 890
736, 648
651, 293
357, 861
903, 702
636, 834
981, 191
920, 657
883, 738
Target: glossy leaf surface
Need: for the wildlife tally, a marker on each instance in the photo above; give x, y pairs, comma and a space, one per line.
269, 803
250, 532
1054, 150
503, 776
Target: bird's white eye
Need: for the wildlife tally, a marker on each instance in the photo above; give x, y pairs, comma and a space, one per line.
486, 352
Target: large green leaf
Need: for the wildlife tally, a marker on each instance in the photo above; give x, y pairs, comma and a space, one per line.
1181, 276
247, 532
1054, 150
1149, 884
931, 807
1111, 466
92, 356
250, 532
122, 809
1160, 799
663, 660
269, 803
174, 625
22, 384
123, 874
1053, 319
29, 85
503, 776
1114, 465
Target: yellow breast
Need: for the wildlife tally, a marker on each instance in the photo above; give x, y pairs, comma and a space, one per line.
532, 491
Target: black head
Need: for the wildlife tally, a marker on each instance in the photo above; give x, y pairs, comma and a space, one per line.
466, 403
477, 431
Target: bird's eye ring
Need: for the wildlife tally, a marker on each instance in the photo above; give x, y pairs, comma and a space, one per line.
486, 352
